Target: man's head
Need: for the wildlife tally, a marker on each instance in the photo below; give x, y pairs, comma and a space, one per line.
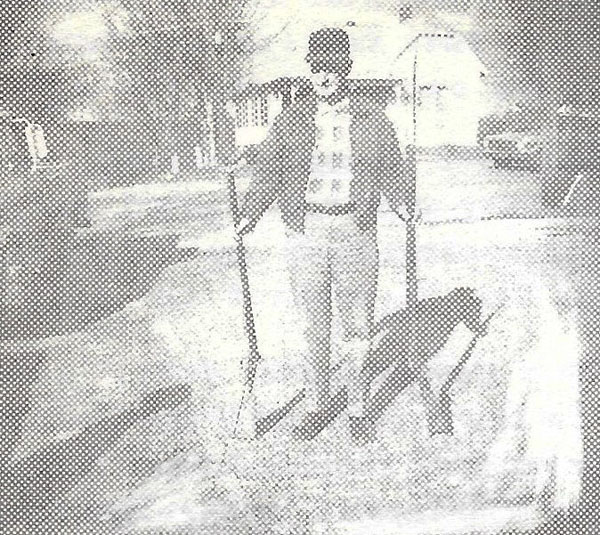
329, 60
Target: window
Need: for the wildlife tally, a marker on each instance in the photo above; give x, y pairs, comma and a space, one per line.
256, 111
239, 113
264, 111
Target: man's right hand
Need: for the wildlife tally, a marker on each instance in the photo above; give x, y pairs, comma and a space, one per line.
243, 227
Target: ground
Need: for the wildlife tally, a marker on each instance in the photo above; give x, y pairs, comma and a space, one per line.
180, 470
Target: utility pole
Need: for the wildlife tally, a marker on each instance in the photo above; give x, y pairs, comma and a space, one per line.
411, 227
412, 294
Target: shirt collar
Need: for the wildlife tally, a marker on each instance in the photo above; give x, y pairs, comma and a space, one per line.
342, 106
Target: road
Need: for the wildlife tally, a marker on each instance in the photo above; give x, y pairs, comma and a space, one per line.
179, 470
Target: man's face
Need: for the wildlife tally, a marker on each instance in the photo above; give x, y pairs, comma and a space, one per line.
325, 83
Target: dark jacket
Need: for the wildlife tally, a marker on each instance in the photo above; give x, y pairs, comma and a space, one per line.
284, 160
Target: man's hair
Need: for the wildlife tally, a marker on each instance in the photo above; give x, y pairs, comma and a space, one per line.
329, 51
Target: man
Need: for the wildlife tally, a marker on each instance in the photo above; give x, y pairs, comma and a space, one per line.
327, 160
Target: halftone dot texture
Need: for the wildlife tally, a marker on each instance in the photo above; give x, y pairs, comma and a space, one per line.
422, 268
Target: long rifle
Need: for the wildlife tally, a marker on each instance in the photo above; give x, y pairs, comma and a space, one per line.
250, 328
254, 355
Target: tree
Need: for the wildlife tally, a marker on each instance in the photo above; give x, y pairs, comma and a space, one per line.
155, 63
179, 56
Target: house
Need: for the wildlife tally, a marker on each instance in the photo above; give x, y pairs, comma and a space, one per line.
451, 90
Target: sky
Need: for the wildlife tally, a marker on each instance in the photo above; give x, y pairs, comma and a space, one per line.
377, 37
81, 36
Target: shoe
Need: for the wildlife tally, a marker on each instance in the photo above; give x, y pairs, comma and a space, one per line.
439, 417
307, 428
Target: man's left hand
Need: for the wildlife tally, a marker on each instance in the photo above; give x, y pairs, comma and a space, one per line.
405, 215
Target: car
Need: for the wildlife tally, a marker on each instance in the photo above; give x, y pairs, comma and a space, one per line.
578, 159
513, 150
